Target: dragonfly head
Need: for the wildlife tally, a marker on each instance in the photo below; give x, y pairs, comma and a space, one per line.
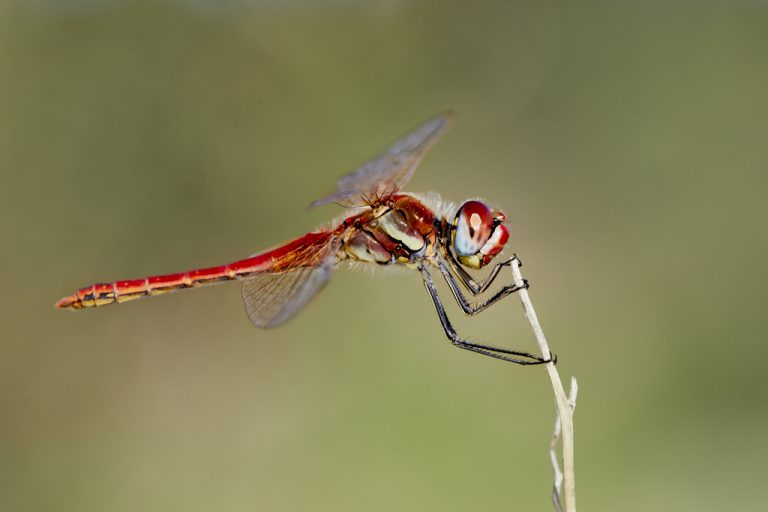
478, 234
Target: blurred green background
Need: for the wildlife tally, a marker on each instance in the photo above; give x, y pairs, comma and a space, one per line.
625, 140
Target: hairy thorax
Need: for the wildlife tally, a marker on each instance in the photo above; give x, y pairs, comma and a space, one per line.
400, 230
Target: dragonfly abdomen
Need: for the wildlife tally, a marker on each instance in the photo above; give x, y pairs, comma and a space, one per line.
102, 294
305, 251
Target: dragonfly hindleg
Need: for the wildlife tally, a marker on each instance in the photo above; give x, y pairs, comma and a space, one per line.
497, 352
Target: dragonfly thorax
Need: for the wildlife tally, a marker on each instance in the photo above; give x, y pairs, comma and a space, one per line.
478, 234
400, 229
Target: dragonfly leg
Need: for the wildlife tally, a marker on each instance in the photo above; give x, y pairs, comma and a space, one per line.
469, 283
488, 350
466, 306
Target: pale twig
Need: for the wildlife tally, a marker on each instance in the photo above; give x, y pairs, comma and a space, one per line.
558, 474
564, 409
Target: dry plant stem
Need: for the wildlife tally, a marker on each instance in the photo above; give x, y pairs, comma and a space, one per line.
557, 486
563, 407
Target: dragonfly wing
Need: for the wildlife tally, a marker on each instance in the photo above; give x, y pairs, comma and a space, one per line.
272, 299
389, 171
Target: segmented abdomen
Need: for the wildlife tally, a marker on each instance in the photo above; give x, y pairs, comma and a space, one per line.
102, 294
304, 251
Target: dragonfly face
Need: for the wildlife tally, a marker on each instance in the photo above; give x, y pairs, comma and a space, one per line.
478, 234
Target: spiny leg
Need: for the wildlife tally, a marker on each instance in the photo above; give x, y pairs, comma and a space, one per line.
466, 306
488, 350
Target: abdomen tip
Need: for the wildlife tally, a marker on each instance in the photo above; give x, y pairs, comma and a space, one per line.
68, 302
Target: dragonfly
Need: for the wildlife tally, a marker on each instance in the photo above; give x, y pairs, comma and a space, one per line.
383, 226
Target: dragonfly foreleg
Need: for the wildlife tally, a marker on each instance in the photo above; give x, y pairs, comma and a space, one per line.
466, 306
469, 283
496, 352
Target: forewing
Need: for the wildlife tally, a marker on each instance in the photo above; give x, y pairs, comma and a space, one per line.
272, 299
389, 171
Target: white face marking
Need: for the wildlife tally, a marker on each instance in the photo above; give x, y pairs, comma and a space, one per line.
492, 242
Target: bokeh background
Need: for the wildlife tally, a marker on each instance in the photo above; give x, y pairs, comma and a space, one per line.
626, 141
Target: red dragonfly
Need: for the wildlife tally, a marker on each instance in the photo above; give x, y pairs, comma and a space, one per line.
384, 227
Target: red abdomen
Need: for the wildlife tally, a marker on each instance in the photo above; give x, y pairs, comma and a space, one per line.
302, 252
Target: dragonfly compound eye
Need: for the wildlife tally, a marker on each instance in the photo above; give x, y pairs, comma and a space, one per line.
478, 234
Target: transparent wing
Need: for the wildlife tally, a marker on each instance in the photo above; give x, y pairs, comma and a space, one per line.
272, 299
389, 171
